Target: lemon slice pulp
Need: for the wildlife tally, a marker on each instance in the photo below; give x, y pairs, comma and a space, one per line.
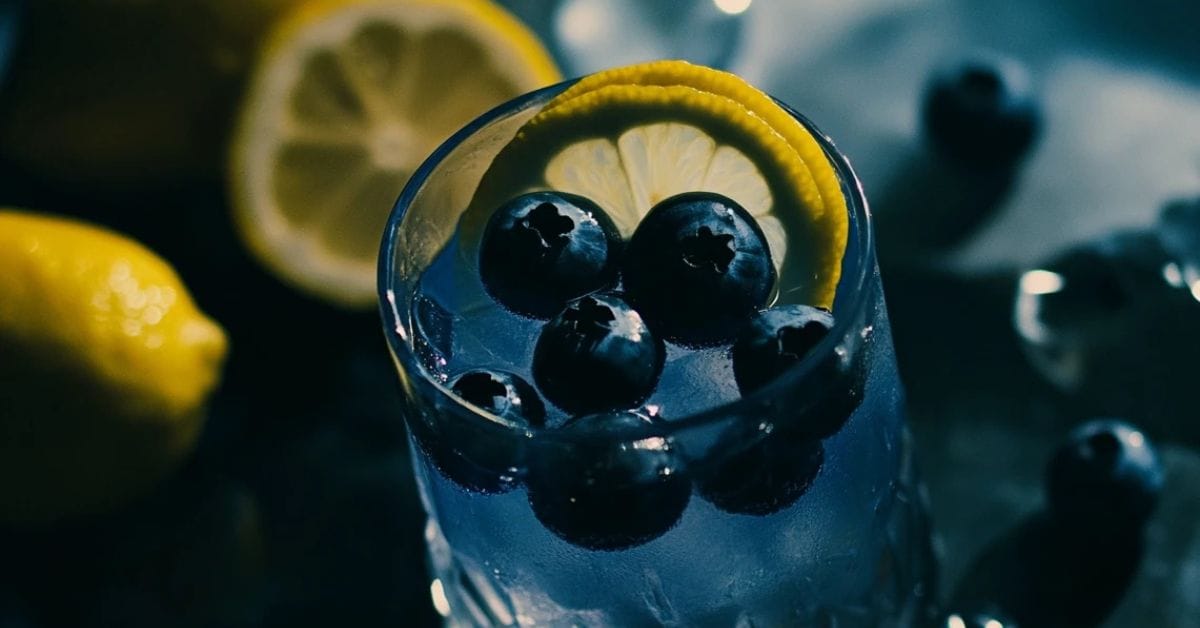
348, 98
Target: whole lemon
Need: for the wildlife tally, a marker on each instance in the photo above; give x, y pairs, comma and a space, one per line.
122, 92
105, 368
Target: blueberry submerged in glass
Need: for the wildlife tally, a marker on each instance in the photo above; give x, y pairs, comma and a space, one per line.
697, 266
598, 354
482, 458
501, 393
612, 486
780, 338
542, 249
764, 478
776, 340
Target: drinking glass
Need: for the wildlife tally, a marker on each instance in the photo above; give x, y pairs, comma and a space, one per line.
783, 525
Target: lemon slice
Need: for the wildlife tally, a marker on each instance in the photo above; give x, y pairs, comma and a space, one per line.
348, 98
675, 72
627, 146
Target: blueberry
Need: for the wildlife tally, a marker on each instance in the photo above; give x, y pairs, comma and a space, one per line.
543, 249
764, 478
476, 454
610, 483
1105, 479
502, 394
774, 341
981, 112
777, 339
597, 355
697, 266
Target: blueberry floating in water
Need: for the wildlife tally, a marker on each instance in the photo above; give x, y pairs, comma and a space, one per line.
501, 393
697, 266
475, 454
543, 249
597, 355
778, 339
612, 484
764, 478
1104, 480
981, 112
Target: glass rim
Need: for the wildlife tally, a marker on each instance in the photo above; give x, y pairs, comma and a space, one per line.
855, 299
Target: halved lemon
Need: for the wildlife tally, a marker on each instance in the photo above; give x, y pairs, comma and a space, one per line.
348, 98
628, 145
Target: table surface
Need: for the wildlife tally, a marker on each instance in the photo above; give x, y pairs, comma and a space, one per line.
1120, 87
301, 461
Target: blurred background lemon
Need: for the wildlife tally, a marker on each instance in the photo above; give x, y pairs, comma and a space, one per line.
116, 93
347, 99
107, 364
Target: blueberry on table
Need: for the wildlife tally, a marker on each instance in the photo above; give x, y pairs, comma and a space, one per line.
697, 266
764, 478
597, 355
502, 394
1104, 480
542, 249
610, 484
981, 112
778, 339
476, 454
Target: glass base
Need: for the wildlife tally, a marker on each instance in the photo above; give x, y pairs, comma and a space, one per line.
468, 594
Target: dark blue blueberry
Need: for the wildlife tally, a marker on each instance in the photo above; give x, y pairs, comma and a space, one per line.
609, 483
597, 355
981, 112
697, 267
1104, 480
502, 394
764, 478
778, 339
477, 454
543, 249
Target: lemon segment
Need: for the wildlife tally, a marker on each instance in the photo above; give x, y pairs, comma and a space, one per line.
628, 146
107, 365
348, 98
